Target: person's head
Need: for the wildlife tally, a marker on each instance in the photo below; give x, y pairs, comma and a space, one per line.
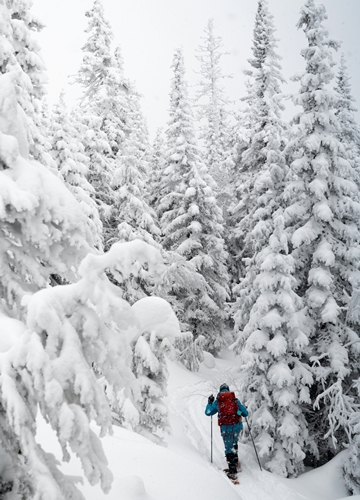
224, 388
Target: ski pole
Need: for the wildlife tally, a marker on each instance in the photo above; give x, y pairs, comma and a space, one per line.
211, 447
252, 439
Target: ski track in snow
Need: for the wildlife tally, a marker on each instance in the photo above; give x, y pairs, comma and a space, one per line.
188, 402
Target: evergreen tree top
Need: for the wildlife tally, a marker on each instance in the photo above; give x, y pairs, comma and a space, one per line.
264, 41
317, 55
97, 57
209, 54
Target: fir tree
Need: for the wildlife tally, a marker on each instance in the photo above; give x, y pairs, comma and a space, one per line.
190, 217
151, 373
213, 104
263, 153
103, 109
132, 217
275, 377
40, 238
72, 163
156, 164
101, 163
260, 182
324, 217
31, 90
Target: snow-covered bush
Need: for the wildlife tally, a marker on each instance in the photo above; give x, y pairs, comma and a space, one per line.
159, 329
189, 351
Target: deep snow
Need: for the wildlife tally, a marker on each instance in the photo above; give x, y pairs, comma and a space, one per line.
180, 468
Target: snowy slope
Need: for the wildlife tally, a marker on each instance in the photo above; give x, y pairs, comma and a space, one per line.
181, 469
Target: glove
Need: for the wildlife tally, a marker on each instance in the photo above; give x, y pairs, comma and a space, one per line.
211, 399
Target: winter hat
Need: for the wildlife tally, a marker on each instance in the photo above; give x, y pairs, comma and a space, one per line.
224, 388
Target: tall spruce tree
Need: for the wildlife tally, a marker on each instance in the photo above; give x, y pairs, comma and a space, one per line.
275, 379
191, 220
324, 218
132, 217
31, 89
260, 180
68, 153
156, 163
40, 238
213, 112
103, 109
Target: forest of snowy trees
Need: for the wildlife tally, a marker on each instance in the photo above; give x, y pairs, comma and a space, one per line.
231, 229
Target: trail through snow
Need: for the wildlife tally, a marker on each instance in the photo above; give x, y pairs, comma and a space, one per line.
188, 399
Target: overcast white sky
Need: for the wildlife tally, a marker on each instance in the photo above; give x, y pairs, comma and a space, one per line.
150, 30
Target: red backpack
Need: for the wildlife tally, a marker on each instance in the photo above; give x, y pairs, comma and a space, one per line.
228, 408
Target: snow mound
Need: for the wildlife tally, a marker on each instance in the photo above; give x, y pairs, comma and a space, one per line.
156, 315
209, 360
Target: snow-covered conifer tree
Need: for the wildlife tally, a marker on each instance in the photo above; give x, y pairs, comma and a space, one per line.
323, 213
266, 134
101, 74
48, 365
137, 218
103, 109
40, 238
274, 374
31, 91
156, 165
349, 130
132, 217
191, 220
137, 123
51, 336
213, 104
100, 163
260, 182
151, 374
72, 163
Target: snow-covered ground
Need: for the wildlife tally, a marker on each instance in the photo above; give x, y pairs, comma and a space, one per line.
180, 467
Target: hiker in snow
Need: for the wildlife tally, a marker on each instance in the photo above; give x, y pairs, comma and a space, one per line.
229, 411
